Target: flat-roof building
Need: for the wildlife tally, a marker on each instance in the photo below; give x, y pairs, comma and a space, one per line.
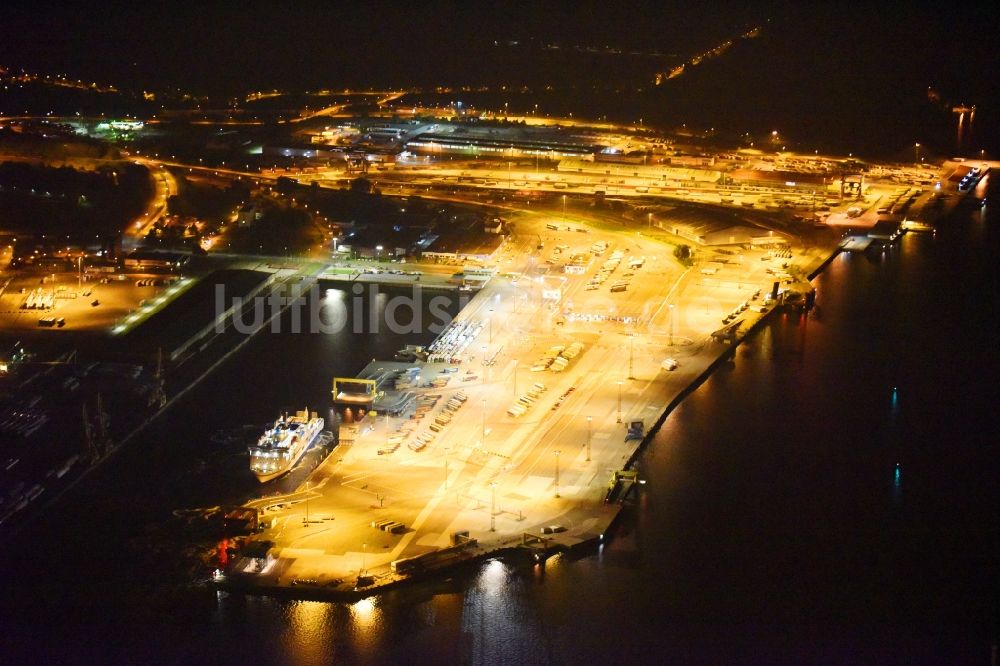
496, 146
465, 240
651, 171
160, 259
789, 179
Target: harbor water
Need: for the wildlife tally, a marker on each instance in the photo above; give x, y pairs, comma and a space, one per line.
829, 496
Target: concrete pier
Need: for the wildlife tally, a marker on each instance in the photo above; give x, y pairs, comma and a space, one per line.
463, 472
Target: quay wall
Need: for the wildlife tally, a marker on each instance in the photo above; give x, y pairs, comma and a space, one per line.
509, 548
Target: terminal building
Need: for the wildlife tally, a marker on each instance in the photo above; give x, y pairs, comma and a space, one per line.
382, 241
156, 260
711, 235
306, 151
465, 239
479, 247
711, 228
482, 145
792, 180
667, 174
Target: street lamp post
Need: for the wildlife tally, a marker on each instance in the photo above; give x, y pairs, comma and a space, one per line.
491, 325
364, 551
306, 519
649, 217
619, 401
557, 472
671, 324
916, 152
493, 506
631, 345
484, 421
515, 377
590, 433
564, 207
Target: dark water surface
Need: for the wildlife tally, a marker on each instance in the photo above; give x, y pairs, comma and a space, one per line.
831, 496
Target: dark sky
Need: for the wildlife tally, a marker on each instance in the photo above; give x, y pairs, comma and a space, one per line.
846, 61
236, 42
239, 43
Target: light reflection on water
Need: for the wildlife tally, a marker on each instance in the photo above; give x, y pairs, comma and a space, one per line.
363, 613
775, 496
499, 618
308, 631
772, 501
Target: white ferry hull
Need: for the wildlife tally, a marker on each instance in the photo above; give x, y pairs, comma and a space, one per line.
311, 431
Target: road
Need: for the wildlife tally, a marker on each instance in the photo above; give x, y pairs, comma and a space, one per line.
164, 186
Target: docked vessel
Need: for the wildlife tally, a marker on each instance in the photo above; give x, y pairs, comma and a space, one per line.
282, 445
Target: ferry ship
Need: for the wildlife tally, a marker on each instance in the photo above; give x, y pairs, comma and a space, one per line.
282, 445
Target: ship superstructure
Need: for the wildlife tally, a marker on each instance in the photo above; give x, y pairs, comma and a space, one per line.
282, 445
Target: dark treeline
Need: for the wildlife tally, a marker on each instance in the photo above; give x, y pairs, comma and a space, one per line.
37, 199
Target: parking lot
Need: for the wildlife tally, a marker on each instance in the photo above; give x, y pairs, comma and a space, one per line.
30, 301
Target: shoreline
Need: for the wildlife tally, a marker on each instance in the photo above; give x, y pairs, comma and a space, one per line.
605, 515
502, 551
